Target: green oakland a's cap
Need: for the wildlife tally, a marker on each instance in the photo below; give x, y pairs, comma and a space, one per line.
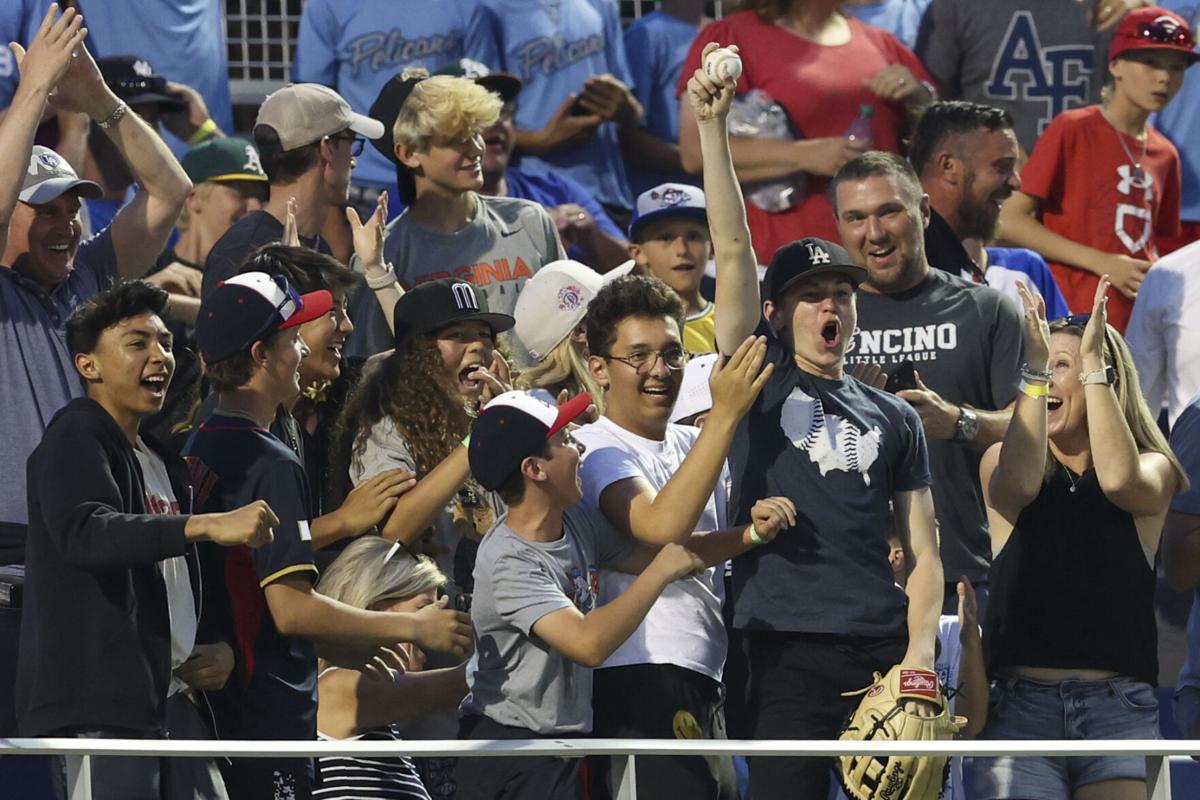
224, 159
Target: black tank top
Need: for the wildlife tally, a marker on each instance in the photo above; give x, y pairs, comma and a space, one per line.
1072, 588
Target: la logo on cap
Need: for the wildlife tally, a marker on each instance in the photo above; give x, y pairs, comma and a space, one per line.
670, 197
817, 254
464, 297
142, 68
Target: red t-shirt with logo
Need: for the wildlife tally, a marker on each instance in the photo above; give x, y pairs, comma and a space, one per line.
821, 88
1089, 192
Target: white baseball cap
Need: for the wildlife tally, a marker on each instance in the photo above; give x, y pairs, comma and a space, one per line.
552, 303
667, 200
694, 394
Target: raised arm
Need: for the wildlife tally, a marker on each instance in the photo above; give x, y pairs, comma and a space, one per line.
42, 67
368, 247
1137, 482
737, 267
670, 515
1020, 463
141, 227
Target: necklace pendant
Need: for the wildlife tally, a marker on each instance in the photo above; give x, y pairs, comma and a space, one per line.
1139, 175
1072, 488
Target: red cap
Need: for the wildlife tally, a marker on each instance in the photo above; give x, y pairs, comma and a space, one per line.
1153, 29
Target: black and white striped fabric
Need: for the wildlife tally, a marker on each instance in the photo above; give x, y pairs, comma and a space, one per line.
365, 778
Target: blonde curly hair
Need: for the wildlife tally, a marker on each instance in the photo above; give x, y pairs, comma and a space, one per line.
443, 107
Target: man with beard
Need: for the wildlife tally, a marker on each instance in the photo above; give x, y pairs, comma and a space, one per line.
966, 156
955, 347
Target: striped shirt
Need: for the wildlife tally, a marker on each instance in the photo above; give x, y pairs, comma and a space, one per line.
368, 778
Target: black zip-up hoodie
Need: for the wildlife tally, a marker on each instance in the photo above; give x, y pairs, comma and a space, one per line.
95, 648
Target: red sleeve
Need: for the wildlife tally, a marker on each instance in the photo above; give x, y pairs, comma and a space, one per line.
899, 54
712, 32
1169, 210
1042, 175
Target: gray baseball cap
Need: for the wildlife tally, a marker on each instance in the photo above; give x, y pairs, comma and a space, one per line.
303, 113
49, 175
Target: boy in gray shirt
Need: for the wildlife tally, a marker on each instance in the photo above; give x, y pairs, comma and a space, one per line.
538, 631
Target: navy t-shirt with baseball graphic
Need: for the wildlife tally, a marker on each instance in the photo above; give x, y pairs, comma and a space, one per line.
272, 693
839, 449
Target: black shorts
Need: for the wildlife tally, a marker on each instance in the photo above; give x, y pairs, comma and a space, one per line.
662, 701
521, 778
268, 778
794, 691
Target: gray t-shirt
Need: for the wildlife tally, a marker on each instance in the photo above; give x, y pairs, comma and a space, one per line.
468, 514
966, 342
516, 678
501, 248
1033, 58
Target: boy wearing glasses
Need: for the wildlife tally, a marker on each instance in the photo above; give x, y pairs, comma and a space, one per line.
248, 334
542, 620
659, 483
308, 140
1102, 184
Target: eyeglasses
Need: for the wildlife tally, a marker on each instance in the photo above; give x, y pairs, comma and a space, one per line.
675, 358
1166, 31
357, 143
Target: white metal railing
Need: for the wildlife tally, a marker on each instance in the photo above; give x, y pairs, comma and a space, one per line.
1157, 752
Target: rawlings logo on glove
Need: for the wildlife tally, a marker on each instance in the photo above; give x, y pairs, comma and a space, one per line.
881, 716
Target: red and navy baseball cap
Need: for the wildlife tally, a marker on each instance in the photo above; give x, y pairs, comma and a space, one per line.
249, 307
1153, 29
512, 427
805, 257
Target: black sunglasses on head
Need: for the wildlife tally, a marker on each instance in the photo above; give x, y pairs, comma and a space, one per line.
1166, 31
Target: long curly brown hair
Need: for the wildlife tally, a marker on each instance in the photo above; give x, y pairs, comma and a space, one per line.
407, 387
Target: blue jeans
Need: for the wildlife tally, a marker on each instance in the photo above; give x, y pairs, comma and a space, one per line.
1018, 708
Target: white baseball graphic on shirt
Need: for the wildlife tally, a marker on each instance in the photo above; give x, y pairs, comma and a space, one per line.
831, 441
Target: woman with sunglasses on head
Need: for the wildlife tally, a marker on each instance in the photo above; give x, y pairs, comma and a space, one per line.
1076, 496
374, 703
1101, 183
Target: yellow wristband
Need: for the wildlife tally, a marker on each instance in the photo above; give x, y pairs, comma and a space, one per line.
1034, 390
206, 130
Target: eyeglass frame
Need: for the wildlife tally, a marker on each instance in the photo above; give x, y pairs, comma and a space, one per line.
357, 143
649, 364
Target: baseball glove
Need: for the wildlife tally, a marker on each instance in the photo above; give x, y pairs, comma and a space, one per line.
881, 717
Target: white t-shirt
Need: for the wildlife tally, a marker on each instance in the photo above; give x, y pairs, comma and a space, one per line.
1164, 331
181, 603
684, 627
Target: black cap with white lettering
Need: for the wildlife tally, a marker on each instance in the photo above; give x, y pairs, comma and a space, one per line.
446, 301
805, 257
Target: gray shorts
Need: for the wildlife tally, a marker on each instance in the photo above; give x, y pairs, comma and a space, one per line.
1118, 708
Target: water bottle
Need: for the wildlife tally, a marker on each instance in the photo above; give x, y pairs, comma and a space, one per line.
860, 129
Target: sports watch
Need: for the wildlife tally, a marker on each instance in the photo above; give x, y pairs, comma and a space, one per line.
967, 425
1107, 376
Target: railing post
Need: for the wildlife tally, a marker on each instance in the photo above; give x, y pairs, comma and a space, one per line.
625, 776
1158, 778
